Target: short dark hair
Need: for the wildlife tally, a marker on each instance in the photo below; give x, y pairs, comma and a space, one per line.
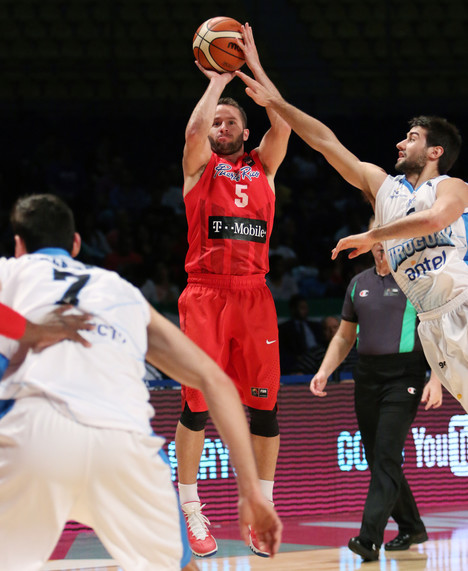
440, 133
43, 221
233, 103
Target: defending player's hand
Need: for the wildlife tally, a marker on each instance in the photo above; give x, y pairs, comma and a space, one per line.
261, 515
57, 327
255, 90
317, 384
249, 48
357, 243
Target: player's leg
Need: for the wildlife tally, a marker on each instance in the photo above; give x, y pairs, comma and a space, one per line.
266, 449
200, 308
132, 504
190, 441
254, 365
40, 459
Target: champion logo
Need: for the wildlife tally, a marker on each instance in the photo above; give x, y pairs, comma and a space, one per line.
268, 342
411, 390
364, 293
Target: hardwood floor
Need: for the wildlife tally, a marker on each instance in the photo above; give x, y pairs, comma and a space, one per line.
437, 555
308, 544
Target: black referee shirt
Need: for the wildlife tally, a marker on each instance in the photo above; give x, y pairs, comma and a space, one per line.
387, 322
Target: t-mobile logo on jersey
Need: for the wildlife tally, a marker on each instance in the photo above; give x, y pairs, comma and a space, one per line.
235, 228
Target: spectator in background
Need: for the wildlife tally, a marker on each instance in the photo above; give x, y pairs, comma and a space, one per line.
94, 244
309, 362
281, 283
158, 286
330, 325
65, 176
297, 336
124, 257
283, 240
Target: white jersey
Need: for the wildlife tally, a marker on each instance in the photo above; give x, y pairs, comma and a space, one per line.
99, 386
430, 270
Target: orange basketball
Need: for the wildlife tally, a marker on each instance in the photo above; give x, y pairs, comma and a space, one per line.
215, 46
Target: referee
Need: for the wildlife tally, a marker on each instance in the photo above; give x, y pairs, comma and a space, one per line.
390, 377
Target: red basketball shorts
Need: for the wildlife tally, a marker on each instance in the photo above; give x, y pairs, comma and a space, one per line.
233, 319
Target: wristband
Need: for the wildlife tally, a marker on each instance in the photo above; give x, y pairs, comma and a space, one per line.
12, 324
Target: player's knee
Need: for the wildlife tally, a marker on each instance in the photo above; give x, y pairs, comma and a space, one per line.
264, 422
195, 421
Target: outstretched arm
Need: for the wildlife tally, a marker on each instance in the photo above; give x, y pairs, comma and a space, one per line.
175, 354
451, 201
337, 351
197, 150
365, 176
273, 146
56, 327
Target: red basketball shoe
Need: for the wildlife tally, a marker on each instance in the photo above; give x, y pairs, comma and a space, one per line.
254, 545
202, 543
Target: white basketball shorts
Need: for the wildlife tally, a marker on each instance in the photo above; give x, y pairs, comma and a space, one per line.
444, 336
53, 469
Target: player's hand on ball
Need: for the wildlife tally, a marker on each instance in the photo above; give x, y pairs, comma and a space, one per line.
212, 74
216, 44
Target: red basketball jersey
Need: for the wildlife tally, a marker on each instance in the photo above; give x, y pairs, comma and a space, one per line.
230, 215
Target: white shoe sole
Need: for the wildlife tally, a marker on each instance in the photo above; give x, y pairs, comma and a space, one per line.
209, 554
257, 551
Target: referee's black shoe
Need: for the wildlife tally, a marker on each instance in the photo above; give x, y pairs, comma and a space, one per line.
404, 541
366, 549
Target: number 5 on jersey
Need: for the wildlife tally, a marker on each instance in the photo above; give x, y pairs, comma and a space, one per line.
243, 199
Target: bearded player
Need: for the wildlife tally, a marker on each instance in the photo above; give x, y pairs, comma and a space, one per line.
226, 308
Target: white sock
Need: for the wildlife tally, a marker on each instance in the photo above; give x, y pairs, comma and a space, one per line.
188, 493
267, 489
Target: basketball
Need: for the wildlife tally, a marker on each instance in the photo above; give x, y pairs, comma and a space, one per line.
215, 47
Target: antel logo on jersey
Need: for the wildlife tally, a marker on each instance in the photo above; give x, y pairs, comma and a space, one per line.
235, 228
400, 253
244, 173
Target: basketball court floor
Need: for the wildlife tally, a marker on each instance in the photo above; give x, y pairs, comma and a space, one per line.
313, 543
